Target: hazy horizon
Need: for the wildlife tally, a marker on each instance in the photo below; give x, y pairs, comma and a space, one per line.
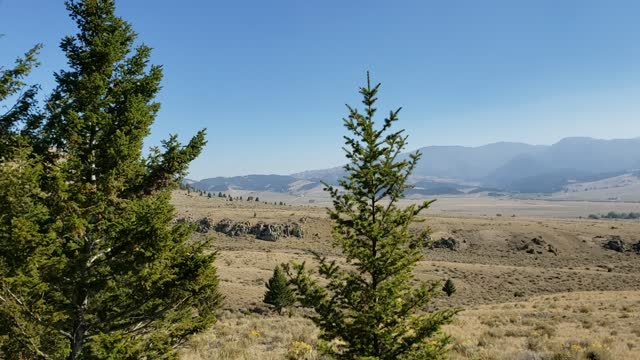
410, 150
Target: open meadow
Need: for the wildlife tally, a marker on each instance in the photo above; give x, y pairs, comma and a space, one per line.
530, 287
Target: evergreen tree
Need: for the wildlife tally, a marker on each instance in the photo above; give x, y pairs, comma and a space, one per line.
449, 287
18, 123
21, 208
278, 292
374, 309
91, 264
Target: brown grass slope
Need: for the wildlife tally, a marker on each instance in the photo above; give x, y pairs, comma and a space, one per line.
517, 304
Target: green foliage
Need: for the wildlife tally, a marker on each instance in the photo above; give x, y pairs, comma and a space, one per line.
616, 215
21, 119
11, 80
373, 308
92, 265
449, 287
278, 293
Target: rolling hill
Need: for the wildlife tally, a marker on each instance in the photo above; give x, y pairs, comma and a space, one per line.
454, 170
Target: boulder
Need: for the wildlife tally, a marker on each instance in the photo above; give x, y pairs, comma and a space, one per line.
268, 232
293, 229
228, 227
204, 225
615, 243
224, 226
240, 229
536, 245
446, 243
636, 248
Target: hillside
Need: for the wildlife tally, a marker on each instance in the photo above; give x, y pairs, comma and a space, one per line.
529, 285
499, 167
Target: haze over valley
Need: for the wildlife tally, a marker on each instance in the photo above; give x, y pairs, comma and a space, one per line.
575, 168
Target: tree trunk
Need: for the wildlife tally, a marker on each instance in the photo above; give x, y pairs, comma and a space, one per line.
80, 300
79, 324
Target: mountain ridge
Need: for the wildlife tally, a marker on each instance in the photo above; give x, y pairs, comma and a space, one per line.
508, 166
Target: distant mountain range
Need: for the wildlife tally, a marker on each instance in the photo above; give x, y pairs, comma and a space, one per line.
498, 167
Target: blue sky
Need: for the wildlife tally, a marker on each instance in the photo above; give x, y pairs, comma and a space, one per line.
269, 79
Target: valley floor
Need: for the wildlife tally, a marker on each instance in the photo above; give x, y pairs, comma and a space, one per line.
520, 300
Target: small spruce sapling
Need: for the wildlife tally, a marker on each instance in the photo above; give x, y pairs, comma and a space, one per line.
449, 287
278, 292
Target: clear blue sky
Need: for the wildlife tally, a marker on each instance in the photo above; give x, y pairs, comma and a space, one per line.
269, 79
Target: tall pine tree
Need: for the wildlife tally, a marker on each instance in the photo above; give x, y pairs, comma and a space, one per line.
92, 264
22, 117
373, 309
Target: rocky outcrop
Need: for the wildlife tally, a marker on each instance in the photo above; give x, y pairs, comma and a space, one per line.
261, 230
272, 232
231, 228
536, 245
446, 243
615, 243
204, 225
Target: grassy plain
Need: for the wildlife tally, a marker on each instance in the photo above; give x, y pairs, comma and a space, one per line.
583, 301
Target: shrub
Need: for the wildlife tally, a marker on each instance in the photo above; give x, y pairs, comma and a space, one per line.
449, 287
300, 350
278, 292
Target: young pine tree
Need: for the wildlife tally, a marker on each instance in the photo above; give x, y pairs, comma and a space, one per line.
449, 287
92, 265
278, 292
373, 308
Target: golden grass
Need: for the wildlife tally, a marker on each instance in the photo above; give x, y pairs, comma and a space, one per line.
251, 336
584, 301
571, 324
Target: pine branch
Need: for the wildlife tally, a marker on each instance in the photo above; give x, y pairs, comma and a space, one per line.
31, 314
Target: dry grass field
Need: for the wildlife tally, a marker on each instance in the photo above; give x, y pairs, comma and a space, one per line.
519, 300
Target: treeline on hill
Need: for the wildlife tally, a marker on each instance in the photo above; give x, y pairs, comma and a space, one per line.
190, 189
616, 215
93, 264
